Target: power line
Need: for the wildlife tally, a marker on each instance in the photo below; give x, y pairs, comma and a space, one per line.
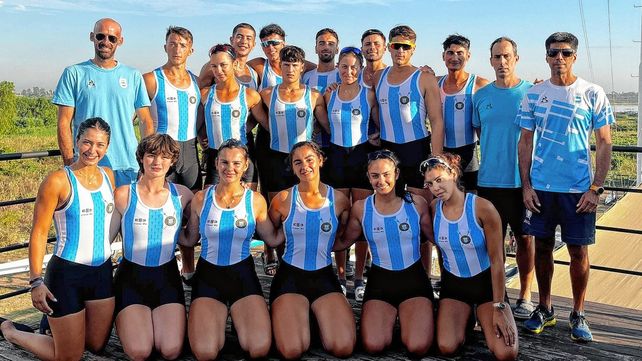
586, 41
608, 7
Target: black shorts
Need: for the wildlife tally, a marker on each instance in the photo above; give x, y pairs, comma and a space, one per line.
149, 286
278, 175
509, 204
74, 283
394, 287
187, 170
310, 284
226, 284
261, 149
474, 290
211, 175
469, 164
410, 156
347, 167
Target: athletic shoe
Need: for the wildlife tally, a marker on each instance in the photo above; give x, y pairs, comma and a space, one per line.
343, 287
349, 270
580, 330
540, 318
523, 309
359, 290
188, 280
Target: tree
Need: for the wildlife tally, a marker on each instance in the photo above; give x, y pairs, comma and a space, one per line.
7, 106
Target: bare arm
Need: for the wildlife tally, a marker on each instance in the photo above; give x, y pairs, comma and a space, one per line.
525, 154
352, 230
65, 137
257, 109
190, 234
205, 77
480, 82
435, 115
150, 84
321, 112
603, 148
264, 226
146, 122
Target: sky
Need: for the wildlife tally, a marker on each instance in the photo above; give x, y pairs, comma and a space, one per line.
42, 37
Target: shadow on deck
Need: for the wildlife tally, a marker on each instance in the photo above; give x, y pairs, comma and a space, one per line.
617, 332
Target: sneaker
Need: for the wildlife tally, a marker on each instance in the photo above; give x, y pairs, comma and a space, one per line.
580, 330
359, 290
523, 309
188, 280
349, 270
539, 319
343, 287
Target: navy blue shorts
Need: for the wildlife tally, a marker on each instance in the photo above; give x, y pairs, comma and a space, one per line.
347, 167
74, 283
475, 290
394, 287
578, 229
149, 286
211, 175
510, 206
310, 284
410, 155
226, 284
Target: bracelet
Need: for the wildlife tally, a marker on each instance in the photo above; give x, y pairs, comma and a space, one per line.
36, 283
32, 281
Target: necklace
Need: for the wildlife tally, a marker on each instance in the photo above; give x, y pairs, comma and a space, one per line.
232, 199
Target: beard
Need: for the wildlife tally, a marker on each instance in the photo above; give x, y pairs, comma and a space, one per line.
104, 52
326, 58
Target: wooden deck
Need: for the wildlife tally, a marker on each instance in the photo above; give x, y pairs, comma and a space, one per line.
617, 332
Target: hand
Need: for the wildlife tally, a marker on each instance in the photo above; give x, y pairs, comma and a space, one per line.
427, 69
39, 297
374, 139
67, 161
332, 87
531, 202
503, 326
588, 202
537, 81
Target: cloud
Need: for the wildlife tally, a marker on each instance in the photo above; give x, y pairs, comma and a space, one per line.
20, 7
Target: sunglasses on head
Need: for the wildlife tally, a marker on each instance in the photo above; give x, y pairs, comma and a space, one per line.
551, 53
431, 163
380, 154
100, 37
273, 42
226, 48
399, 45
350, 49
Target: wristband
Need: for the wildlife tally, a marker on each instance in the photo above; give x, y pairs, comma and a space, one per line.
32, 281
35, 283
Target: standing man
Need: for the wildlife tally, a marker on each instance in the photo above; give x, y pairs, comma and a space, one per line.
495, 107
408, 97
456, 90
373, 46
103, 87
326, 72
558, 184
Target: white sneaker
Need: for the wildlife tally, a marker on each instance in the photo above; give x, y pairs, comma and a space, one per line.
344, 290
359, 292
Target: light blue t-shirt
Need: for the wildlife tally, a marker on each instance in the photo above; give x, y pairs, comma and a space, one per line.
112, 94
494, 111
563, 118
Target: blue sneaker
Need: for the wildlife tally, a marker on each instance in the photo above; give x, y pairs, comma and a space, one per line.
540, 318
580, 330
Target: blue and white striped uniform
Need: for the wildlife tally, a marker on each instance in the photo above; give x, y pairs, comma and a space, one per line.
361, 81
253, 83
82, 226
174, 110
462, 242
225, 120
458, 114
150, 234
269, 77
402, 110
309, 233
290, 122
349, 119
320, 80
226, 232
393, 238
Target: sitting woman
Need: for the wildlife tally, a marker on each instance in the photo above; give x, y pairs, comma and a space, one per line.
150, 303
467, 230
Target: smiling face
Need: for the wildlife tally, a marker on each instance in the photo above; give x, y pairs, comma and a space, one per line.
349, 68
327, 47
272, 50
441, 182
106, 38
306, 163
177, 49
92, 146
373, 47
243, 41
383, 175
231, 164
456, 57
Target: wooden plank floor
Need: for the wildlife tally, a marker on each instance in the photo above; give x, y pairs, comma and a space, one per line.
617, 332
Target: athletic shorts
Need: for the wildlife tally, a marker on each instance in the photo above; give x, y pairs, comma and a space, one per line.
347, 166
278, 175
475, 290
560, 209
410, 156
261, 149
125, 176
187, 170
148, 286
226, 284
395, 287
469, 164
211, 175
73, 283
310, 284
509, 204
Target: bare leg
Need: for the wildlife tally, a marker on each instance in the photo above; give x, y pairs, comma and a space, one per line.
544, 269
99, 316
206, 327
579, 270
135, 329
417, 325
497, 345
377, 322
336, 323
361, 246
451, 325
291, 325
169, 329
525, 257
252, 321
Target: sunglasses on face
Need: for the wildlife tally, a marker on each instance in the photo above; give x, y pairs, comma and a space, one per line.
350, 49
551, 53
431, 163
273, 42
404, 46
100, 37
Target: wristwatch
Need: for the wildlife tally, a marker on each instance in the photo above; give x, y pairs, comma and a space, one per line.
499, 305
597, 189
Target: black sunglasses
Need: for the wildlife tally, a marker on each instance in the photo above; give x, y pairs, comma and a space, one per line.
100, 37
403, 46
273, 42
551, 53
380, 154
431, 163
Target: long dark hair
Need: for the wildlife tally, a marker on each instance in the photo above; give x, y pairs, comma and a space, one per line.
400, 186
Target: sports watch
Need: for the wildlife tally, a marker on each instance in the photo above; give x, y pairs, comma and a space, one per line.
499, 305
597, 189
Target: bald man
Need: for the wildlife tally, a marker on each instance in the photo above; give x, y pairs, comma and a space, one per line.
104, 87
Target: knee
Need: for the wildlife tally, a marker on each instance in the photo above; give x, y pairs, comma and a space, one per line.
205, 353
71, 356
374, 344
418, 347
544, 245
259, 347
171, 351
292, 350
505, 353
448, 347
577, 253
138, 352
96, 347
342, 347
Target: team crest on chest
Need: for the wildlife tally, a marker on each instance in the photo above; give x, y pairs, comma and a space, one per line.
240, 223
123, 83
404, 227
91, 84
192, 99
170, 221
459, 105
404, 100
301, 113
356, 112
236, 113
465, 239
326, 227
110, 208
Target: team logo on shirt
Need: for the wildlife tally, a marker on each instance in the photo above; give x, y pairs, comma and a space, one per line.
123, 83
578, 98
212, 222
459, 105
170, 221
192, 99
489, 106
326, 227
404, 100
301, 113
236, 113
356, 112
91, 84
298, 225
465, 239
544, 100
240, 223
109, 208
404, 227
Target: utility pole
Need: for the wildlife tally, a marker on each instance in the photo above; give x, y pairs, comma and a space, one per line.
639, 155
